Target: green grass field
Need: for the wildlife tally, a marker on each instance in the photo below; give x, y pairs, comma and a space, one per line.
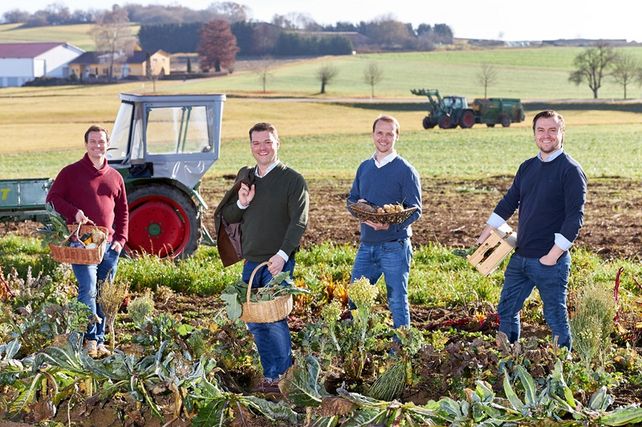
78, 35
536, 73
606, 150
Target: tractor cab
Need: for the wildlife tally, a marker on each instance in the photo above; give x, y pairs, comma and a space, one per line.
163, 145
166, 136
450, 103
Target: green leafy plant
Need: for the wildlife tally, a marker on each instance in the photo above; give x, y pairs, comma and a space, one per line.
55, 231
235, 295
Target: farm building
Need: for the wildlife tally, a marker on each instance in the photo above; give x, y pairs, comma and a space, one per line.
93, 65
23, 62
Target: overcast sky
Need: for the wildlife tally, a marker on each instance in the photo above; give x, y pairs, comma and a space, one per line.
497, 19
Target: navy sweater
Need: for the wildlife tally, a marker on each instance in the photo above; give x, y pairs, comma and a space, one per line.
396, 182
551, 197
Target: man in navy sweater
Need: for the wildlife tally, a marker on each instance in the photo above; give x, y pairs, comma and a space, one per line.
550, 191
387, 178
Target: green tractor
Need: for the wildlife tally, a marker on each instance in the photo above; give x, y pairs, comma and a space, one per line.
451, 111
162, 145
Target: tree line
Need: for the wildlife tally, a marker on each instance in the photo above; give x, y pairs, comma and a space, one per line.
177, 29
252, 39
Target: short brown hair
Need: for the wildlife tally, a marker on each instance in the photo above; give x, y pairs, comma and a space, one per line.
262, 127
547, 114
95, 128
386, 118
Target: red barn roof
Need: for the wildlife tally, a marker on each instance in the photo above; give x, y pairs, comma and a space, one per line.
26, 50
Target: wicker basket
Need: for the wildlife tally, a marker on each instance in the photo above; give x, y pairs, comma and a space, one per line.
265, 311
357, 209
66, 254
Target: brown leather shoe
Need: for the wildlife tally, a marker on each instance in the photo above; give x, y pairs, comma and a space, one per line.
102, 350
91, 348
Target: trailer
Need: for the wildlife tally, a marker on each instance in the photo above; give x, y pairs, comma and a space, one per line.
162, 145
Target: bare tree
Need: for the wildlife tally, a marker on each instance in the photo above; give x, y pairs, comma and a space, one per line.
262, 68
325, 75
372, 75
592, 65
626, 70
217, 47
233, 12
487, 76
113, 36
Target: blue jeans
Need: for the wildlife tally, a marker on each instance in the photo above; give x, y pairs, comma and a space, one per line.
392, 259
88, 277
522, 275
272, 339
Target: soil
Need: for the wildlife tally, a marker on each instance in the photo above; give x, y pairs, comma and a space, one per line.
455, 211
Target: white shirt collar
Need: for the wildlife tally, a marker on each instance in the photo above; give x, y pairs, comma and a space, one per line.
554, 155
267, 171
389, 158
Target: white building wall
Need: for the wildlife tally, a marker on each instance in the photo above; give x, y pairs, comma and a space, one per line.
15, 71
56, 60
39, 67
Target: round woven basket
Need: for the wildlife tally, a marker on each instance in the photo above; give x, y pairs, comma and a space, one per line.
380, 218
66, 254
265, 311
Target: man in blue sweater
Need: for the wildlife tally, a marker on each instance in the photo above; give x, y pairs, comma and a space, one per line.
387, 178
550, 191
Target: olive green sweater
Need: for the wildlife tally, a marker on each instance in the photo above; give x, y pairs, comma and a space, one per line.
277, 216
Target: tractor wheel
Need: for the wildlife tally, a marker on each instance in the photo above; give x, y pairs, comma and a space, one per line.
162, 221
445, 122
427, 123
505, 121
467, 119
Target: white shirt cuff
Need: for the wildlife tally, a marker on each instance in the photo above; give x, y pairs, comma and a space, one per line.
562, 242
240, 205
283, 255
495, 220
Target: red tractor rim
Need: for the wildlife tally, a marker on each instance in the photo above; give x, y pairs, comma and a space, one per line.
158, 225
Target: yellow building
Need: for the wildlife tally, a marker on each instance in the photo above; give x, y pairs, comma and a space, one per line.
91, 65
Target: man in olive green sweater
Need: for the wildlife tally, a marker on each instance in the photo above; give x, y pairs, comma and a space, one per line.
272, 208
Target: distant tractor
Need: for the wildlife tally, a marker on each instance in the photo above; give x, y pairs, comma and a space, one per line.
451, 111
162, 145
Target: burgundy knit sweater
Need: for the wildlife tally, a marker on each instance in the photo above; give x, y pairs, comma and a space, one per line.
99, 193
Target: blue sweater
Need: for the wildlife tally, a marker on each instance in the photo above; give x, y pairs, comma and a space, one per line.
396, 182
550, 197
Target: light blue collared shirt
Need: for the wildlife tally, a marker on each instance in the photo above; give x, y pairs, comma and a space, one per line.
497, 221
389, 158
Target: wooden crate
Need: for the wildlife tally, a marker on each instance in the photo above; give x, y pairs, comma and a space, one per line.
493, 250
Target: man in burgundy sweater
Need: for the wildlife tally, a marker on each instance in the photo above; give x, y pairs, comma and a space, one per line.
92, 191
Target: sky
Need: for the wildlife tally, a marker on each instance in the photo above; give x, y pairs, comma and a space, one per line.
512, 20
